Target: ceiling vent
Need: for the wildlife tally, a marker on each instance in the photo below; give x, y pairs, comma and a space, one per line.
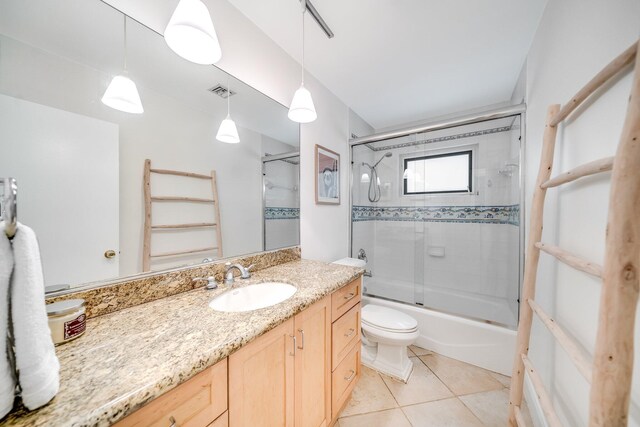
222, 91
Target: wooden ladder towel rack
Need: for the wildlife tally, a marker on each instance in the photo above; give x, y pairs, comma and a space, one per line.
612, 367
147, 255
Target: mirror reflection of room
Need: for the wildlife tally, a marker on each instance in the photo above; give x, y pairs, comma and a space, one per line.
86, 102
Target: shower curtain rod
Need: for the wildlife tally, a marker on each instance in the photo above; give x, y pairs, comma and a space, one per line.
509, 111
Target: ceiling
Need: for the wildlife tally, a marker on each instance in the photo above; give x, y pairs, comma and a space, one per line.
395, 62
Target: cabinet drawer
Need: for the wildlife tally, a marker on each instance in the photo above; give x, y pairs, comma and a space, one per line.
344, 378
221, 421
344, 332
343, 299
195, 403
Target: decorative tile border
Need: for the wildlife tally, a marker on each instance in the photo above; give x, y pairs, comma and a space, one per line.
507, 214
281, 213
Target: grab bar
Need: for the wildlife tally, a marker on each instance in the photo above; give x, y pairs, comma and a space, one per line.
9, 213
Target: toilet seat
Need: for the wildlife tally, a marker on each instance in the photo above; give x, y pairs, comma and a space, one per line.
388, 320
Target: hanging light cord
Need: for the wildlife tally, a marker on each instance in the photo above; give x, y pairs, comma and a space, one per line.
304, 9
125, 42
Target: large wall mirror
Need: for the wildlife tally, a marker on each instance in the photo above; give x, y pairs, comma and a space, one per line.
82, 167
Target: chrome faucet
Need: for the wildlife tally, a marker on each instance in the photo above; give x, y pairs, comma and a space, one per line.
211, 282
228, 273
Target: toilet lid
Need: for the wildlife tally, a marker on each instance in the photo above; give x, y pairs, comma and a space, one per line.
388, 319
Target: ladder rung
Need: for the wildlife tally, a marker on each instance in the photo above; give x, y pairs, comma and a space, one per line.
180, 173
181, 199
196, 225
624, 59
573, 349
571, 260
543, 397
190, 251
591, 168
519, 417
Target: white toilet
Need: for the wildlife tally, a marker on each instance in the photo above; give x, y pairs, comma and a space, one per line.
386, 334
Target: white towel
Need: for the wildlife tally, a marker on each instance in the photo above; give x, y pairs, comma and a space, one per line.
36, 359
7, 383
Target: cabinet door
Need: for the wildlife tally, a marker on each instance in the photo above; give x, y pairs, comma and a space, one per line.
313, 365
261, 381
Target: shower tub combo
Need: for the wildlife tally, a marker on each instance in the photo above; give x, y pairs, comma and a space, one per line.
436, 212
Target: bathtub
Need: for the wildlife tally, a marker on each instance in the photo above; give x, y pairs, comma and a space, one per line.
478, 343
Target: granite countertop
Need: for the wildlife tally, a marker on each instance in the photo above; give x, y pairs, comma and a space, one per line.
129, 357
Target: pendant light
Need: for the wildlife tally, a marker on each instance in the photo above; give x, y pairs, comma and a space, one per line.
227, 132
191, 35
122, 93
302, 109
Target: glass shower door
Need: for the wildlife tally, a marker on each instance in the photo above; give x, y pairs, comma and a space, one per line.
281, 200
445, 230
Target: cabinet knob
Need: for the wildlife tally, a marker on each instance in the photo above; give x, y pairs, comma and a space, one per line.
110, 253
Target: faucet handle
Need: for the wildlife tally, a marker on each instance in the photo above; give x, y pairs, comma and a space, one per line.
246, 272
211, 281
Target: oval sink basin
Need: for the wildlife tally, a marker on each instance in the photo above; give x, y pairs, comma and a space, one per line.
253, 297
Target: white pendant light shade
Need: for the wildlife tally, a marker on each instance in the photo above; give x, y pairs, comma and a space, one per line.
365, 178
191, 35
227, 132
302, 109
122, 94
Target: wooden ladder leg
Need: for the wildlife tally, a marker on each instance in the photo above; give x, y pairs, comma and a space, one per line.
613, 357
216, 207
146, 244
531, 264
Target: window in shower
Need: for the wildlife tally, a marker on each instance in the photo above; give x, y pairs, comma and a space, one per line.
438, 173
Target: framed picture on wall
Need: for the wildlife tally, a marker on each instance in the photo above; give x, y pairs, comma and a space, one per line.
327, 176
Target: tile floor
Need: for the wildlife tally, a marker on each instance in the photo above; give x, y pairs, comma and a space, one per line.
441, 392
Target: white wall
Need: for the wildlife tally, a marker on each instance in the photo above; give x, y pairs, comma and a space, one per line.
251, 56
576, 38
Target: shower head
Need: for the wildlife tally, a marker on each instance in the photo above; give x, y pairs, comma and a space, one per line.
387, 154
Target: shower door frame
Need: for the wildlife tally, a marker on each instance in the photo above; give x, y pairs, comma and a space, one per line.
265, 160
518, 112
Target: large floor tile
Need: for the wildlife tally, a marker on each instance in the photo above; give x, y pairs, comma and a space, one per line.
389, 418
418, 351
491, 407
423, 386
370, 394
460, 377
505, 380
441, 413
